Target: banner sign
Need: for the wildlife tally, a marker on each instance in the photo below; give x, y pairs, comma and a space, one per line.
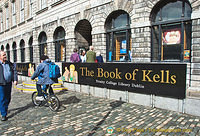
160, 79
25, 69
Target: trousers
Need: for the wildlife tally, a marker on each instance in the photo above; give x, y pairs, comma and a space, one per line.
5, 97
39, 89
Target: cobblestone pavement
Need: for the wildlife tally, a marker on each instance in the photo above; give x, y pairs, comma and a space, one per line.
84, 115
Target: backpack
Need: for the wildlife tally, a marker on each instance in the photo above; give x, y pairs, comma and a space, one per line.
54, 70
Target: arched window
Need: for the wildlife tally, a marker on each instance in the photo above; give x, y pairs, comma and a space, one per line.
22, 50
30, 43
14, 47
8, 52
2, 48
59, 40
42, 43
171, 31
118, 35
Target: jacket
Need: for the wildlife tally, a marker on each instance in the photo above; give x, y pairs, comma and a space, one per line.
99, 58
13, 73
75, 57
90, 56
42, 71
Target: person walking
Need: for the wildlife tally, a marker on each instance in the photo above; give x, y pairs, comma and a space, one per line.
75, 56
8, 74
91, 55
42, 72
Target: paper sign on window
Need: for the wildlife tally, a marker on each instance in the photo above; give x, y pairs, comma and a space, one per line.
172, 36
186, 54
123, 47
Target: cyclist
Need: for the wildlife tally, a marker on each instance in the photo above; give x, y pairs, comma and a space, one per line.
42, 72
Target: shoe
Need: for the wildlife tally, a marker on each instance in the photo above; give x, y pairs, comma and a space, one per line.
4, 118
39, 98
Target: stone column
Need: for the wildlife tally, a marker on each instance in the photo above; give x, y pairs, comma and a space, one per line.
18, 55
36, 52
51, 49
27, 53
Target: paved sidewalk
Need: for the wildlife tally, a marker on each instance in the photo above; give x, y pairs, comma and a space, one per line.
83, 115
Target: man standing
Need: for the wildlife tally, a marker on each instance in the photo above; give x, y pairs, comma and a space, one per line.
7, 76
91, 55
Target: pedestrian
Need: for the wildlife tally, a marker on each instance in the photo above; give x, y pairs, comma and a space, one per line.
91, 55
83, 56
99, 58
75, 56
8, 74
42, 72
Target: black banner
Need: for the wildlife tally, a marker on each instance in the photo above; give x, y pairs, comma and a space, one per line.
160, 79
25, 69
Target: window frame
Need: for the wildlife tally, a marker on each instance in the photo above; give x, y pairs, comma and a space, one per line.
22, 12
111, 32
14, 13
182, 21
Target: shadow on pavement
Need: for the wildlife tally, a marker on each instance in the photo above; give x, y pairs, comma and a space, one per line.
61, 92
20, 109
70, 100
114, 105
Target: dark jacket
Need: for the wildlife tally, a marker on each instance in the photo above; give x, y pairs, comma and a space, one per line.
99, 59
12, 70
43, 72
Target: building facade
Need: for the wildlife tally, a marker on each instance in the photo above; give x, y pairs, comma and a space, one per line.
137, 31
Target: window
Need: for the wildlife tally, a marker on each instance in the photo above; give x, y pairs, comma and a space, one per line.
30, 8
7, 18
21, 10
42, 43
59, 40
31, 48
8, 52
22, 50
171, 31
118, 36
14, 52
42, 4
13, 14
1, 19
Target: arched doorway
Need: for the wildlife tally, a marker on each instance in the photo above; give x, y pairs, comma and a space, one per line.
42, 39
171, 31
118, 36
14, 47
22, 50
8, 52
60, 44
30, 43
83, 35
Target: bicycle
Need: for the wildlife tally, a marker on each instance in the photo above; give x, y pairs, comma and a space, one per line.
52, 101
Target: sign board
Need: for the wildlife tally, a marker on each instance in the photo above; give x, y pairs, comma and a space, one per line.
25, 69
159, 79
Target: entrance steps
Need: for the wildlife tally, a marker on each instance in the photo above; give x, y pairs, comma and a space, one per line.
30, 86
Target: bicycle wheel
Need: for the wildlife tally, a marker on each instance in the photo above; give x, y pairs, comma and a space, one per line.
35, 102
53, 102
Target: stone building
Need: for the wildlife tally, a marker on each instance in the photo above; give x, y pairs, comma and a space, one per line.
137, 31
